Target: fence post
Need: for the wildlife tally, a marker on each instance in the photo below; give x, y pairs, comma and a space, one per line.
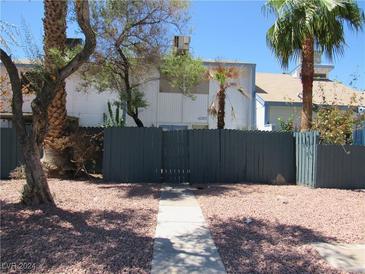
11, 154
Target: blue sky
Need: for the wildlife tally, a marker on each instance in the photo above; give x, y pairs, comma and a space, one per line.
232, 30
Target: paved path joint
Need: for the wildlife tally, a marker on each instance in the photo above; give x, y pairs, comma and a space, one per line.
183, 243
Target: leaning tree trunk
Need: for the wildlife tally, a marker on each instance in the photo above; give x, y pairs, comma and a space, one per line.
307, 83
221, 105
133, 113
37, 191
131, 110
55, 157
138, 121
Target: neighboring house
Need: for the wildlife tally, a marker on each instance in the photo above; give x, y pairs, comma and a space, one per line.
280, 96
167, 108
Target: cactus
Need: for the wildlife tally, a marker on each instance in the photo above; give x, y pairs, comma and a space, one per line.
112, 120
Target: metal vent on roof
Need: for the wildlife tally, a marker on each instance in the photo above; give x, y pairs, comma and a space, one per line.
182, 43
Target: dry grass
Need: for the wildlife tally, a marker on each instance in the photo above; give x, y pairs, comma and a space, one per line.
95, 228
269, 229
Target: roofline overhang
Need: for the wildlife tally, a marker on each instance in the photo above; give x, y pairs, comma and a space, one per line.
299, 104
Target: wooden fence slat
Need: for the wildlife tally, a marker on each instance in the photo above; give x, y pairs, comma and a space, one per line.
10, 156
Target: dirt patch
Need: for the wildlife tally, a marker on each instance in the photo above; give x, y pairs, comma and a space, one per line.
269, 229
95, 228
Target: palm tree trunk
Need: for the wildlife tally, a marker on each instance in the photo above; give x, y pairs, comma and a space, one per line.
138, 121
221, 105
54, 23
307, 83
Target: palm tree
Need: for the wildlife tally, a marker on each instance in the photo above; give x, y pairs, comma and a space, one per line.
36, 190
55, 38
224, 76
301, 27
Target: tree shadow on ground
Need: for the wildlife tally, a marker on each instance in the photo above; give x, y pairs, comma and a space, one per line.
134, 190
55, 240
263, 247
218, 189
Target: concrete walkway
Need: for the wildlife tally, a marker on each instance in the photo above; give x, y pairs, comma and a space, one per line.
347, 257
183, 243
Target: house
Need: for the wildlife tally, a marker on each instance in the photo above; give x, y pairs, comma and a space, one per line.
167, 107
280, 96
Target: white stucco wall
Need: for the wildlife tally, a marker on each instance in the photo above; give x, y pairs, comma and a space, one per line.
171, 108
177, 109
260, 115
150, 89
87, 106
164, 108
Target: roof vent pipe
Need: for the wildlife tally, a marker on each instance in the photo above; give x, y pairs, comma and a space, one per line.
181, 44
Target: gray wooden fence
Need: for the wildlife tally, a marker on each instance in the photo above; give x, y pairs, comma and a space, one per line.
328, 166
217, 156
340, 166
10, 152
359, 136
175, 156
306, 159
11, 155
132, 154
198, 156
230, 156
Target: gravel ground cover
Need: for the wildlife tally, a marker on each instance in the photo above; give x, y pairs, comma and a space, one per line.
269, 229
95, 228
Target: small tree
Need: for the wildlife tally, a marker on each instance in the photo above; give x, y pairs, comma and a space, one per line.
334, 123
132, 35
183, 71
36, 191
225, 76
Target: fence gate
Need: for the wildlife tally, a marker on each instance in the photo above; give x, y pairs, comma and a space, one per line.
175, 156
197, 156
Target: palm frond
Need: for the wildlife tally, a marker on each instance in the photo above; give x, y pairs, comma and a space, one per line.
322, 20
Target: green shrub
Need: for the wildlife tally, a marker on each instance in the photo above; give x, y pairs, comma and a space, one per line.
286, 125
335, 125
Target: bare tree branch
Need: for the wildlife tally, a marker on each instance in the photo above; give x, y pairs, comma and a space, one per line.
83, 19
16, 86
